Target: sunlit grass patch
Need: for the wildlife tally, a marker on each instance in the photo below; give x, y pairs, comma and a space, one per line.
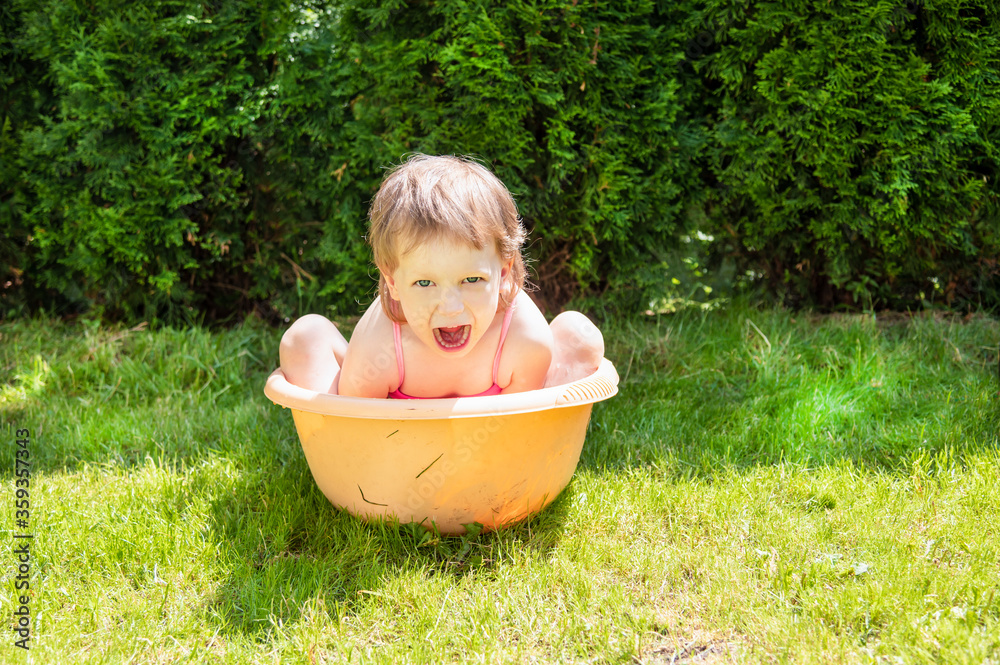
25, 385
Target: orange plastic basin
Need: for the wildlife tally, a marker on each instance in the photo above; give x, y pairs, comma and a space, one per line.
445, 462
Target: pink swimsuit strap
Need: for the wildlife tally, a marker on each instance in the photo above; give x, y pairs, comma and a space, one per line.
495, 389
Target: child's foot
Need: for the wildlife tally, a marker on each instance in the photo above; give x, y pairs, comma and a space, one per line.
577, 349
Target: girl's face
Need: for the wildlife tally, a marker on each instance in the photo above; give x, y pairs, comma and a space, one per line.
449, 292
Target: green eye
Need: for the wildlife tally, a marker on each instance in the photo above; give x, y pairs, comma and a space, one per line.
423, 282
473, 280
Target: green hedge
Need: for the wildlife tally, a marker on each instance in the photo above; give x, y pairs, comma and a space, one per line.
176, 160
216, 159
853, 150
574, 106
131, 196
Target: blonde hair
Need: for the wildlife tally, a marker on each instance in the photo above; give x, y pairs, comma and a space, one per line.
432, 197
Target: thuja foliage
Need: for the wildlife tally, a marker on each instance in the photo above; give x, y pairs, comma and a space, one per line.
574, 105
130, 193
853, 151
216, 155
172, 158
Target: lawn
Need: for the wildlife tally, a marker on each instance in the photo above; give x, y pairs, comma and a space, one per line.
768, 486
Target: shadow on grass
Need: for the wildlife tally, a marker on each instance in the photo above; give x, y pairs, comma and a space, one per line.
293, 552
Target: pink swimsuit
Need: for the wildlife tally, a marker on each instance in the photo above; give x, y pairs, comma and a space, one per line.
492, 390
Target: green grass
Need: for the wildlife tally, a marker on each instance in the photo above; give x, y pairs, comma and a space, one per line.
767, 487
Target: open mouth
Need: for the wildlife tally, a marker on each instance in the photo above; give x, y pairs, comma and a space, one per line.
454, 338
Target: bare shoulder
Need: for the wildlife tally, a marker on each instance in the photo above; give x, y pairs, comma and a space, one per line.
528, 349
528, 323
370, 362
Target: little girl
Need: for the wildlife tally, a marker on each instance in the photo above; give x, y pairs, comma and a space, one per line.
452, 318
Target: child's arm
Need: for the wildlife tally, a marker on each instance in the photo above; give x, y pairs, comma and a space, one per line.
370, 362
532, 367
529, 347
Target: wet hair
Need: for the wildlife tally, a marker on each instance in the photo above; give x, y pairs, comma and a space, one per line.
443, 197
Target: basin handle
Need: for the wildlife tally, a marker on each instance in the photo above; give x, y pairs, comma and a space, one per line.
602, 384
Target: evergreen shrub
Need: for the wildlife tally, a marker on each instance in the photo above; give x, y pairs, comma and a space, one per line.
172, 159
128, 196
216, 155
573, 105
853, 150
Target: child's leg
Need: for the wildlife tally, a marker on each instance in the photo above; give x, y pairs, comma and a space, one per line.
577, 348
311, 352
